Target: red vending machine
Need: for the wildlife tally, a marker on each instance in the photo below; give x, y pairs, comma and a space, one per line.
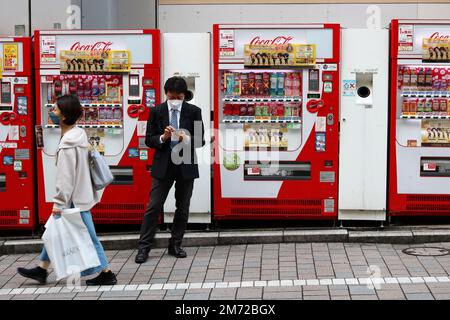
116, 75
276, 112
17, 194
419, 147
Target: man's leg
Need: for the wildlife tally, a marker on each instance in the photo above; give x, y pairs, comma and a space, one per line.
158, 195
183, 194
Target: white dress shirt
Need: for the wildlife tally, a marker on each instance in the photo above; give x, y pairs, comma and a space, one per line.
178, 115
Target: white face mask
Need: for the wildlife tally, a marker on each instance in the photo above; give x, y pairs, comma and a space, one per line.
175, 103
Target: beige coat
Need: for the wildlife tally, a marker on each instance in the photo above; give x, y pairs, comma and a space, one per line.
73, 177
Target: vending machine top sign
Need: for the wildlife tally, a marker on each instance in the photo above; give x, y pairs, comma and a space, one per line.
418, 39
112, 46
235, 40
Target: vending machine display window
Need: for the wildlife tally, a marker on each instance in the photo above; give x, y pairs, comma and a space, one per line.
434, 167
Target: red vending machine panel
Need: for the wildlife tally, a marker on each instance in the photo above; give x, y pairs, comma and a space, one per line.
17, 193
116, 75
419, 122
276, 117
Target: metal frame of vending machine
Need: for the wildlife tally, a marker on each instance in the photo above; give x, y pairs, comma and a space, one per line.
363, 124
276, 146
195, 66
116, 74
419, 148
17, 167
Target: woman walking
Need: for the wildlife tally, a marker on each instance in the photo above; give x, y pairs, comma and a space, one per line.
73, 187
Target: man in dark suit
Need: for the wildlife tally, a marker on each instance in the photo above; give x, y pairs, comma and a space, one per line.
174, 129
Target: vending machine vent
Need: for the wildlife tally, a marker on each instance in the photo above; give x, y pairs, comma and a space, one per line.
428, 207
429, 198
119, 206
8, 213
276, 211
275, 202
8, 222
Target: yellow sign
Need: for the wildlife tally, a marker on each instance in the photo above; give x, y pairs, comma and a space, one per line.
120, 60
285, 55
10, 56
436, 50
95, 61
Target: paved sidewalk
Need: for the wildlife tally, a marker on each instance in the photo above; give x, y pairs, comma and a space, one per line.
308, 271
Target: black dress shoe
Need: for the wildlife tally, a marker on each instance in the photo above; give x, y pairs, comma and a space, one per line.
103, 279
177, 251
142, 256
39, 274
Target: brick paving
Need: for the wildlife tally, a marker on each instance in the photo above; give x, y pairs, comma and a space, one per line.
297, 271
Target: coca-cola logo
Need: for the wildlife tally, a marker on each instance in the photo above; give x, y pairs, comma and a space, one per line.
437, 36
100, 46
277, 40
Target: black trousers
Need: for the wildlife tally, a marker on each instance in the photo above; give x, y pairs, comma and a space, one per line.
158, 196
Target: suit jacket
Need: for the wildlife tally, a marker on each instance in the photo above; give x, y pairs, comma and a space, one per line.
157, 122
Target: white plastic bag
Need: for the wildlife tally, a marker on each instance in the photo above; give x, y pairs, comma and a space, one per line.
69, 245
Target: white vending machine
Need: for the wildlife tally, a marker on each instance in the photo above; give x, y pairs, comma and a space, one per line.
189, 55
363, 124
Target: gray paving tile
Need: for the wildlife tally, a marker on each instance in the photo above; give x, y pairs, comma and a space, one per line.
419, 296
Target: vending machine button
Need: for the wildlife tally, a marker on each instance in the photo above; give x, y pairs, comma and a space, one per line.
330, 119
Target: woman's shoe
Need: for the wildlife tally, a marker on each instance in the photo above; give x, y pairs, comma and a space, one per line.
39, 274
103, 279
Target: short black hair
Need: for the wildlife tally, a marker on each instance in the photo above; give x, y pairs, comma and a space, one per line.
70, 108
176, 85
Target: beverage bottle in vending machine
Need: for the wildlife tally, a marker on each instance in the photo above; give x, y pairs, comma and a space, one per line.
421, 106
50, 93
413, 80
406, 79
413, 106
87, 91
280, 84
428, 79
266, 83
288, 84
95, 89
273, 84
58, 88
405, 106
65, 87
428, 105
296, 85
73, 87
102, 89
80, 90
421, 80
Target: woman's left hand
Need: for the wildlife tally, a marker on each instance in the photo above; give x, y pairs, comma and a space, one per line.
56, 212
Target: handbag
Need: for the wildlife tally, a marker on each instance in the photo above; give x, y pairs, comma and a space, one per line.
101, 174
69, 245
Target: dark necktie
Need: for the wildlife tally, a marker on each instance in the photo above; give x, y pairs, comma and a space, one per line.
174, 124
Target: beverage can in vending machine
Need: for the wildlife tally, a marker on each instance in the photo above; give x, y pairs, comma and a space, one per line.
406, 79
295, 110
250, 110
413, 106
244, 84
280, 84
273, 84
251, 83
443, 105
259, 85
229, 83
265, 110
405, 106
287, 110
429, 105
421, 105
413, 81
266, 83
436, 105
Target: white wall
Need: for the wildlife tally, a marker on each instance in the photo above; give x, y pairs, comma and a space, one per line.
200, 18
13, 13
44, 13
